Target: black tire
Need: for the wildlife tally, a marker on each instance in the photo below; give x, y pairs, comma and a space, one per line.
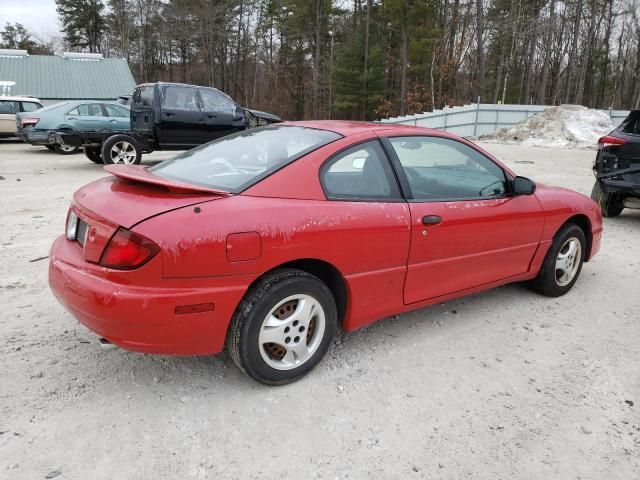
49, 147
110, 156
66, 149
93, 154
243, 336
610, 205
547, 281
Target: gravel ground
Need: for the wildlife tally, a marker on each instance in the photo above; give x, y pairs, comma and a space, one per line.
505, 384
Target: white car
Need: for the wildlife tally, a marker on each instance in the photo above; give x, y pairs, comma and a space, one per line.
9, 106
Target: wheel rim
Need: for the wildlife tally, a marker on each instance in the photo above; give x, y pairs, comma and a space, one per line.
66, 148
568, 261
123, 152
292, 332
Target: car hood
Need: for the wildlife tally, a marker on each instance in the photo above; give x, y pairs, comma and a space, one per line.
132, 195
270, 117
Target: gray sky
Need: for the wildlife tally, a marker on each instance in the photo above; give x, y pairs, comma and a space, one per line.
38, 16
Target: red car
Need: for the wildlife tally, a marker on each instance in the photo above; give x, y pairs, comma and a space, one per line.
270, 239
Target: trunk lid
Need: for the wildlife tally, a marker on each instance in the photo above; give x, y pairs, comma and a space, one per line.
133, 194
125, 199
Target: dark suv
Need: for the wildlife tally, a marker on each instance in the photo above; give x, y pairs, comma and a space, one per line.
617, 168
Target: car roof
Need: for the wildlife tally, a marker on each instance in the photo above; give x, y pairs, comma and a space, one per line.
21, 98
347, 128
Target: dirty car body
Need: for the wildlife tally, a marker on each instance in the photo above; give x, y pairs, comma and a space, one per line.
376, 219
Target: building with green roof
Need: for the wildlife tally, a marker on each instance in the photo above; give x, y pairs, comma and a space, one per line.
69, 76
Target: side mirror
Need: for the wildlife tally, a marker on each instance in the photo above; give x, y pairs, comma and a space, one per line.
523, 186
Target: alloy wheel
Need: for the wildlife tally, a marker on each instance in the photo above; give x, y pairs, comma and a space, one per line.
123, 152
568, 261
292, 332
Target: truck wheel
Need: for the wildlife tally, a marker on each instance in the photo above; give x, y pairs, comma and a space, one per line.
93, 154
121, 149
610, 205
64, 149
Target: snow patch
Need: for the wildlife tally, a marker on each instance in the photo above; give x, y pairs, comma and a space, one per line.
564, 126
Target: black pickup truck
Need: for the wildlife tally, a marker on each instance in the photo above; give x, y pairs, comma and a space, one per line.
167, 116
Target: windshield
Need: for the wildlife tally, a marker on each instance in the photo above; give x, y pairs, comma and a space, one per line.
237, 161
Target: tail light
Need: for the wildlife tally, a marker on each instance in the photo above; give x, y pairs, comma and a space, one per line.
609, 141
128, 250
29, 122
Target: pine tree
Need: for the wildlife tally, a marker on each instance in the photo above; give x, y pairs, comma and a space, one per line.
83, 23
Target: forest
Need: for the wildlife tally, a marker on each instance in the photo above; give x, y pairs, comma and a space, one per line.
368, 59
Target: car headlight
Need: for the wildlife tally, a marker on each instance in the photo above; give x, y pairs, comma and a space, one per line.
72, 225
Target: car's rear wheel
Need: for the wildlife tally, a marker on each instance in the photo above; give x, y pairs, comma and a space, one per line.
64, 149
610, 205
121, 149
93, 154
283, 327
563, 263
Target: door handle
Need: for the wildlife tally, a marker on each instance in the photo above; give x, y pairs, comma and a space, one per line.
211, 116
170, 114
431, 219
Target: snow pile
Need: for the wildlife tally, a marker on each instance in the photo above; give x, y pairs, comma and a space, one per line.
563, 126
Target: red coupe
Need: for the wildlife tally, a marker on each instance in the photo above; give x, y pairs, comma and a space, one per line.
270, 239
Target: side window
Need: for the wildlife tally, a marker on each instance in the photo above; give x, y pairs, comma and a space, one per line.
179, 98
30, 106
88, 110
7, 106
215, 101
116, 111
443, 169
73, 111
361, 172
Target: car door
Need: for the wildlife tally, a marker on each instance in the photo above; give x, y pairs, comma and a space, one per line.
117, 117
181, 122
86, 117
467, 230
221, 114
360, 182
8, 110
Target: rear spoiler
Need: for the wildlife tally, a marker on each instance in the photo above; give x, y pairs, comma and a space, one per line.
140, 174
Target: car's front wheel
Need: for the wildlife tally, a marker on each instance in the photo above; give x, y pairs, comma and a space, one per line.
283, 327
563, 263
610, 205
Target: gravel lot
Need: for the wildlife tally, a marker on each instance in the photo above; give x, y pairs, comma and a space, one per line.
505, 384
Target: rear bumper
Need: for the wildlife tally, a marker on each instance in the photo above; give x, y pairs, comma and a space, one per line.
36, 137
620, 187
142, 317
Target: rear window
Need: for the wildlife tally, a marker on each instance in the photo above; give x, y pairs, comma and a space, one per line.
632, 123
143, 96
30, 106
235, 162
